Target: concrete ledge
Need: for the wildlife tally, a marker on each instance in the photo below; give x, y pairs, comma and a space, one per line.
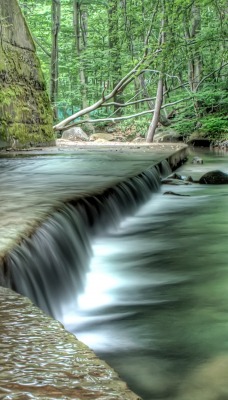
41, 360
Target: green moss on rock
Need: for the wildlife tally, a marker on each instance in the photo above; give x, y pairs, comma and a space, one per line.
25, 111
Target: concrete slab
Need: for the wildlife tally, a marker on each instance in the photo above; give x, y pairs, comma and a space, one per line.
34, 183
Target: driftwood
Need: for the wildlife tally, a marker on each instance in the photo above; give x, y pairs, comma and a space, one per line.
176, 194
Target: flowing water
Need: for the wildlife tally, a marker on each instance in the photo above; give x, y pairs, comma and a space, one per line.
155, 305
149, 291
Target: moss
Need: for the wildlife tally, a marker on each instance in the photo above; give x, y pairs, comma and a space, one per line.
25, 111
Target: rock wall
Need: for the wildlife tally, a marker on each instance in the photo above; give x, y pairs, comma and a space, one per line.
25, 112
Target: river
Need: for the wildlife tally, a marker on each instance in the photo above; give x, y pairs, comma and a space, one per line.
156, 297
152, 300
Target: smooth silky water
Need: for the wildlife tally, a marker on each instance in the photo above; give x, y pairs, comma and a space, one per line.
147, 292
155, 304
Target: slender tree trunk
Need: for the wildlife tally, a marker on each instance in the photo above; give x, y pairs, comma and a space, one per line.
114, 48
80, 31
54, 70
157, 109
151, 104
159, 94
194, 62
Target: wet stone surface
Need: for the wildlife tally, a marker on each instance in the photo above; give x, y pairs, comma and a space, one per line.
40, 360
33, 184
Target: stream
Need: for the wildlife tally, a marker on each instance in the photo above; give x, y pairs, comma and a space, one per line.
139, 276
155, 304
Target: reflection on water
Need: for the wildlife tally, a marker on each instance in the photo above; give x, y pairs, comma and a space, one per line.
155, 306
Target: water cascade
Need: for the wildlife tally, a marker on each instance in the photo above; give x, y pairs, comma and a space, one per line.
50, 266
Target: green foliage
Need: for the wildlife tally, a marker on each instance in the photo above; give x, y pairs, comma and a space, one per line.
185, 127
214, 125
109, 54
212, 99
138, 127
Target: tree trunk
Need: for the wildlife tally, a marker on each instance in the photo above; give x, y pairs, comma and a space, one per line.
80, 31
157, 109
56, 15
114, 49
159, 94
194, 62
151, 104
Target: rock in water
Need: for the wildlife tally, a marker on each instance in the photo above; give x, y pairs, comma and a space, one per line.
214, 178
197, 160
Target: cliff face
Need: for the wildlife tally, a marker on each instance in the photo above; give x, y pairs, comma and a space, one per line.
25, 112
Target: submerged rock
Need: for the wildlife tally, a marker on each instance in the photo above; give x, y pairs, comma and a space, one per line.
175, 182
197, 160
209, 381
214, 178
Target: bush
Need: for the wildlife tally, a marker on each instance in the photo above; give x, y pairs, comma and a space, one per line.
135, 127
185, 127
212, 100
214, 125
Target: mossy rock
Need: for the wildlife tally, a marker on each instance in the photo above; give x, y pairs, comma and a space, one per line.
214, 178
25, 112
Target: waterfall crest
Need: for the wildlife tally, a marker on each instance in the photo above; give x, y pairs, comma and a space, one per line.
50, 267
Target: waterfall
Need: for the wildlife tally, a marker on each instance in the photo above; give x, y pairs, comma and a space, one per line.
50, 266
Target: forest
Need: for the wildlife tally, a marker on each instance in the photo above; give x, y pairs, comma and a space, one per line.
133, 66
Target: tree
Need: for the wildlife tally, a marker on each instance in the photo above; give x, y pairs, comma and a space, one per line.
80, 31
159, 95
54, 70
119, 39
114, 51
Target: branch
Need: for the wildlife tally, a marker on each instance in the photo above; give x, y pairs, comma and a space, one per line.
121, 118
113, 103
146, 41
41, 46
130, 103
118, 88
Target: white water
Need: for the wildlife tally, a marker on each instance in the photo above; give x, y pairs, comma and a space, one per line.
155, 302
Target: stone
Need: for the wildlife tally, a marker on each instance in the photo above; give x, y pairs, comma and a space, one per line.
197, 160
104, 136
25, 110
164, 135
214, 178
139, 140
75, 134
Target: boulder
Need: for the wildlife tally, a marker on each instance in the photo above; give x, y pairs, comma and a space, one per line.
165, 136
104, 136
214, 178
139, 139
75, 134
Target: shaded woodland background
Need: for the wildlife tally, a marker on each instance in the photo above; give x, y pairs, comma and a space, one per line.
169, 56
